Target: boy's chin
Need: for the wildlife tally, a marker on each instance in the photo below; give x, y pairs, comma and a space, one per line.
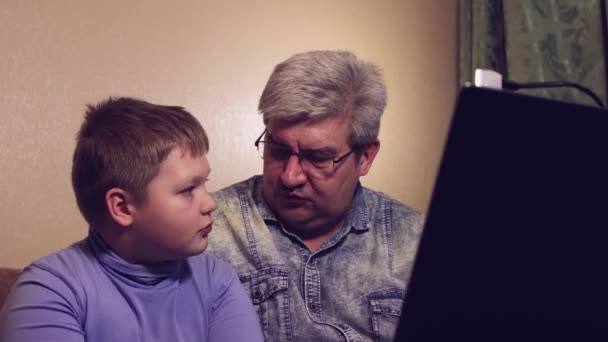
190, 252
199, 249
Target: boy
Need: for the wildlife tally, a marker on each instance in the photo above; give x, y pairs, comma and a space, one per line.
139, 174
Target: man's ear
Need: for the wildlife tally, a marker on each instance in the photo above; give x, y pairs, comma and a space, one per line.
120, 206
367, 158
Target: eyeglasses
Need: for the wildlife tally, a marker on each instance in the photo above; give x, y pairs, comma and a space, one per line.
272, 151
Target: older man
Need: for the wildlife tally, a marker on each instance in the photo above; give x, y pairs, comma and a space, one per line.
323, 257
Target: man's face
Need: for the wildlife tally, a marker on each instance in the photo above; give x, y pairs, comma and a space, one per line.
308, 201
174, 220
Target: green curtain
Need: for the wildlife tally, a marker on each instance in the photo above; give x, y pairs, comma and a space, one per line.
537, 41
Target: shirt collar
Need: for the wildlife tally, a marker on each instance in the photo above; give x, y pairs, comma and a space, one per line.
360, 219
258, 197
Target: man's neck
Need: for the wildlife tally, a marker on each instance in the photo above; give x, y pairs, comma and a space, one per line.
313, 239
313, 243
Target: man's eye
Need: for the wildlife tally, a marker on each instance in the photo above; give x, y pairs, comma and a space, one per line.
279, 152
317, 158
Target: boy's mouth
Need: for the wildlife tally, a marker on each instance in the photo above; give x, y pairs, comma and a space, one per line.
206, 230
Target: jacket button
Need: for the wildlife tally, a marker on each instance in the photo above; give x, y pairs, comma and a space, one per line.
313, 306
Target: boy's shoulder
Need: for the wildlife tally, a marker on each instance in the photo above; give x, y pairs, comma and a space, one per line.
77, 257
66, 273
212, 268
74, 267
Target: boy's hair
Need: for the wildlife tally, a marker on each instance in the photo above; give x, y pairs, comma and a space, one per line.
122, 143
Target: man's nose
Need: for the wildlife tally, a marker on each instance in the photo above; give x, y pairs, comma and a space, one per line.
293, 176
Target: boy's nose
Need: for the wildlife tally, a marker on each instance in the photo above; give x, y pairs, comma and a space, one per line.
208, 205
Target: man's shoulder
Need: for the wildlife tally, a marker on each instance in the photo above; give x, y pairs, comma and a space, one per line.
232, 192
376, 200
382, 208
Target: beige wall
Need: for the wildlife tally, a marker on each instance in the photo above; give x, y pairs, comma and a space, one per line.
212, 57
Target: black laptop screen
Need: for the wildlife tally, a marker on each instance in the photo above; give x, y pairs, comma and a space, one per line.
515, 247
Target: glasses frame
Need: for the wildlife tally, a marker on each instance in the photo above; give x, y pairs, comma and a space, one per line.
300, 157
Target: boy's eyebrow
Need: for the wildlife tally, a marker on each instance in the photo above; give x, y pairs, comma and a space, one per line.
199, 178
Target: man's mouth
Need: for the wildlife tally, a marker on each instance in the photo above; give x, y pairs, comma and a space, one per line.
294, 197
293, 200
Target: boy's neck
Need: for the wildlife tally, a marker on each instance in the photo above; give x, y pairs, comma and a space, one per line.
118, 241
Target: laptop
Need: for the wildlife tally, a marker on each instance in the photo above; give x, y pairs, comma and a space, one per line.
515, 246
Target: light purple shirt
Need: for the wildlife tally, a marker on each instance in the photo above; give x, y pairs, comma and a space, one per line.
88, 293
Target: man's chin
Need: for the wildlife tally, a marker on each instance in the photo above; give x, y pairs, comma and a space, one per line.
300, 216
295, 213
299, 223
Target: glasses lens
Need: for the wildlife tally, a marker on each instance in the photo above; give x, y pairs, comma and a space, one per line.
273, 152
310, 162
317, 162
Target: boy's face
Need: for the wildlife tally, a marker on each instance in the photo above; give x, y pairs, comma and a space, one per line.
174, 220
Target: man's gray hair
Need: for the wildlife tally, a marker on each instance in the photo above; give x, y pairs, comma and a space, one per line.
319, 83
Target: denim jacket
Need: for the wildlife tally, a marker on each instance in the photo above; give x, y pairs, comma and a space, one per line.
350, 289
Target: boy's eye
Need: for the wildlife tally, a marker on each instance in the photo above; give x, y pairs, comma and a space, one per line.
187, 191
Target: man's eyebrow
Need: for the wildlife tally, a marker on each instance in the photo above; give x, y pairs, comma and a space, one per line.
323, 150
326, 149
273, 140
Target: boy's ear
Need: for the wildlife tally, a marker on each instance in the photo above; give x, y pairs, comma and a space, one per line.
120, 206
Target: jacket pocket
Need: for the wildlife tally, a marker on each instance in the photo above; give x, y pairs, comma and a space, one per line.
268, 289
385, 307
